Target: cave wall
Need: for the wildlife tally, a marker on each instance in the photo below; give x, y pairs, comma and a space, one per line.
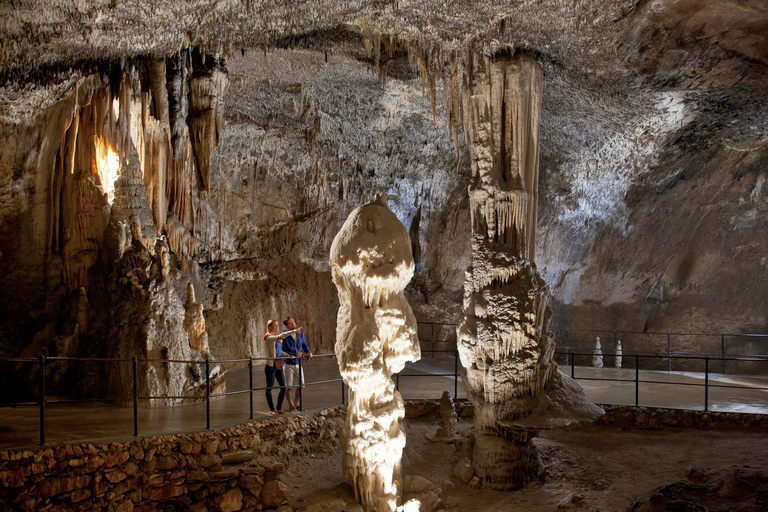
652, 204
306, 141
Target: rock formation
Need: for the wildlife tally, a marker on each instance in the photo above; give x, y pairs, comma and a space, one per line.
597, 355
653, 122
371, 263
503, 341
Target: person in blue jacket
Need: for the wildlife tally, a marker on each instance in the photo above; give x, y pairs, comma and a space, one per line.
293, 346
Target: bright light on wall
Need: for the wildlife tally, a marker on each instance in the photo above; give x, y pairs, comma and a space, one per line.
109, 167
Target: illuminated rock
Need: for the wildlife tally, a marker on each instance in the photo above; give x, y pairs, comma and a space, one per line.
597, 356
371, 264
503, 341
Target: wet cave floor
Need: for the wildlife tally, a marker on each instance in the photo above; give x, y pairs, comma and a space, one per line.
590, 468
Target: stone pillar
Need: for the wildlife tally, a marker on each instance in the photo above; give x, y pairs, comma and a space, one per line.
503, 340
371, 263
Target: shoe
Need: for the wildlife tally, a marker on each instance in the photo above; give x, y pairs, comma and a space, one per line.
272, 412
280, 411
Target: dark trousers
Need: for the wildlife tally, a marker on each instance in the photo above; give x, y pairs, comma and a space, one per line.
273, 374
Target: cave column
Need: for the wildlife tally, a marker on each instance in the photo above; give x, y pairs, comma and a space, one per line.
503, 340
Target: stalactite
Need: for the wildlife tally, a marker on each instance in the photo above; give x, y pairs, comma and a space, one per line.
179, 237
80, 210
207, 87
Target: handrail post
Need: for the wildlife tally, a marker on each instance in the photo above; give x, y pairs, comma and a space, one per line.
207, 393
637, 380
42, 400
722, 350
301, 385
573, 361
706, 383
250, 383
566, 347
669, 351
455, 374
397, 381
432, 324
342, 392
135, 396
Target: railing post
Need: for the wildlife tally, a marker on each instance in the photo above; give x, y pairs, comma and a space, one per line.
669, 351
573, 360
42, 400
301, 385
135, 396
432, 324
566, 347
250, 383
455, 374
207, 394
706, 383
722, 350
637, 380
397, 381
342, 392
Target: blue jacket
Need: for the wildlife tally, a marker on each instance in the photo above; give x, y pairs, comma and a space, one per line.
292, 347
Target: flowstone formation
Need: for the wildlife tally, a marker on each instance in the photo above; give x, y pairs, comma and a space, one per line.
371, 263
112, 223
503, 340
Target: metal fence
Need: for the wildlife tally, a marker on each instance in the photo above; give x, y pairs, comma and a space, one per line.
703, 364
715, 345
45, 399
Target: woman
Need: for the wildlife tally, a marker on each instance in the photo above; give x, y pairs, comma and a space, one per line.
274, 366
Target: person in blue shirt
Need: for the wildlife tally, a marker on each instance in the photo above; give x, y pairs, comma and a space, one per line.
293, 346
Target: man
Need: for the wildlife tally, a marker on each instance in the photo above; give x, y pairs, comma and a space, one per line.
293, 346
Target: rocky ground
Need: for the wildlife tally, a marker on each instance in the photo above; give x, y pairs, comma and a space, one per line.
595, 468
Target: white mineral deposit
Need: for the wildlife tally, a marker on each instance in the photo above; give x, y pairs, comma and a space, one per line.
617, 361
371, 263
597, 355
503, 341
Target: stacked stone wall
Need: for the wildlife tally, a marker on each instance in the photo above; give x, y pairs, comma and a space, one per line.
237, 468
622, 416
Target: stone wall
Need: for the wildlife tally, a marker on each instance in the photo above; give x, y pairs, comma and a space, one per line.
233, 469
622, 416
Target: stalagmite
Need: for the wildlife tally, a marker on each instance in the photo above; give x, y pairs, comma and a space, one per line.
597, 356
617, 361
194, 322
503, 341
371, 264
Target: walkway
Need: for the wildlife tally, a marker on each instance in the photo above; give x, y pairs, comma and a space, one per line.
97, 422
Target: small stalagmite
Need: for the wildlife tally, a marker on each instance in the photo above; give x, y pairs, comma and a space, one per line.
371, 263
194, 322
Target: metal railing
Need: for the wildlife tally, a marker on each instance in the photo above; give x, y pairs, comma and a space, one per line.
135, 398
571, 358
663, 340
636, 358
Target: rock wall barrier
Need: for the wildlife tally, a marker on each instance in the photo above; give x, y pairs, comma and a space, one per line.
237, 468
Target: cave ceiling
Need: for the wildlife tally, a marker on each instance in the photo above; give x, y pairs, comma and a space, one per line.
654, 114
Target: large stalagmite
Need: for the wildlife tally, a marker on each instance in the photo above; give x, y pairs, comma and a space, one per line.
371, 263
504, 343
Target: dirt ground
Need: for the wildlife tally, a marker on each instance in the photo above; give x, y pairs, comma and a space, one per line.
592, 468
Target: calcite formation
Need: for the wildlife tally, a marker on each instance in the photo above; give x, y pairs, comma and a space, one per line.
371, 264
503, 340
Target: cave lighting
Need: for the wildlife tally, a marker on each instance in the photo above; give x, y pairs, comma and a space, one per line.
108, 166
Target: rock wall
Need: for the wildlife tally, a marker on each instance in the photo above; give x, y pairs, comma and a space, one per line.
234, 469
